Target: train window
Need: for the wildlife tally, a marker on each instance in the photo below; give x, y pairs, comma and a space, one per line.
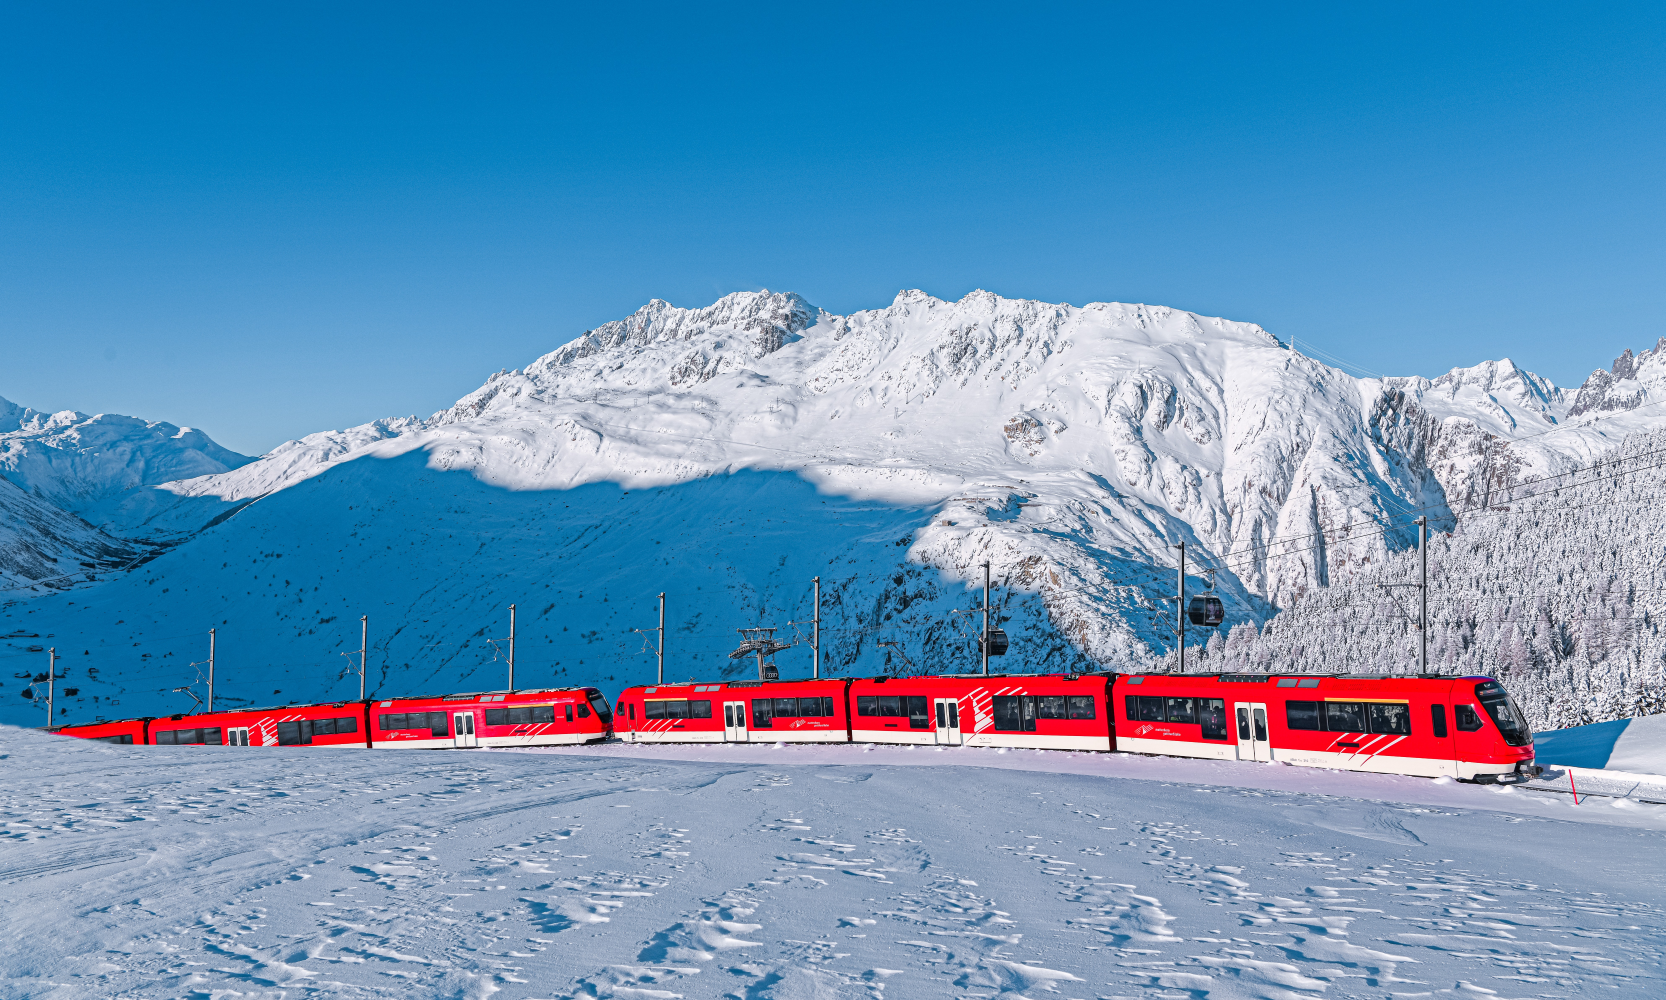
1437, 720
1392, 720
664, 709
389, 721
567, 713
632, 708
123, 738
1345, 716
189, 737
880, 705
1052, 706
1302, 715
919, 712
786, 708
1212, 713
334, 727
1466, 719
604, 713
522, 716
291, 734
1081, 706
1505, 715
583, 710
1015, 713
1243, 723
763, 713
1145, 708
1181, 710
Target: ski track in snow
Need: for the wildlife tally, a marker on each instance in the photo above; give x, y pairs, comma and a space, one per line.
215, 872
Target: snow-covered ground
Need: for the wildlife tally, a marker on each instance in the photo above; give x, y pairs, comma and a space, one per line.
764, 871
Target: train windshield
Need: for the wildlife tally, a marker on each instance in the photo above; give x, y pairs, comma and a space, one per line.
1511, 723
600, 705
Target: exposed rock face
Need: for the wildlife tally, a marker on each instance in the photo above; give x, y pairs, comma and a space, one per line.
1632, 382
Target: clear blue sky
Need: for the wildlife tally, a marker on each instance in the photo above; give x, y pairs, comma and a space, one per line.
269, 219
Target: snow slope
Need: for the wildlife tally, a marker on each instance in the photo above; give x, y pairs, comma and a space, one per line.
728, 454
1634, 745
795, 873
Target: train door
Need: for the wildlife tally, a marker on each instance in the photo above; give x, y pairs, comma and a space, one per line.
1252, 732
462, 731
948, 722
237, 737
734, 722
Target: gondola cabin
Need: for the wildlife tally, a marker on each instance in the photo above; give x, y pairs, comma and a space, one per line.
793, 711
551, 717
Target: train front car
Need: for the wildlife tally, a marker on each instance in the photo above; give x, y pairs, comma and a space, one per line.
550, 717
1393, 725
1499, 753
1040, 711
796, 711
127, 732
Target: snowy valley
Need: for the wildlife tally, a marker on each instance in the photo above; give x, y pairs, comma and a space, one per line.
727, 455
760, 871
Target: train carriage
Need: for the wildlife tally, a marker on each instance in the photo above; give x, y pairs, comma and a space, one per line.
1044, 711
339, 724
127, 732
1464, 727
549, 717
803, 711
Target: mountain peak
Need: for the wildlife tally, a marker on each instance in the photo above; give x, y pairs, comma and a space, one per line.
1631, 381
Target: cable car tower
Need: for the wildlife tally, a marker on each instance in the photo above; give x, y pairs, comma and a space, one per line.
1204, 609
760, 641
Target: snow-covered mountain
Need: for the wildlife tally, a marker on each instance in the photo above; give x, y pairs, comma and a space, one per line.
78, 462
57, 470
726, 455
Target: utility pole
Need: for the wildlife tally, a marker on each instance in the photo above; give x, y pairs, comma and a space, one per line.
511, 649
51, 682
1423, 587
364, 644
983, 644
815, 634
1180, 604
659, 649
211, 672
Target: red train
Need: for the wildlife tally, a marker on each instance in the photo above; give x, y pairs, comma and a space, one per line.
519, 718
1464, 727
1461, 727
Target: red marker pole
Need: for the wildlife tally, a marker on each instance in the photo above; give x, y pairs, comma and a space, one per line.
1571, 786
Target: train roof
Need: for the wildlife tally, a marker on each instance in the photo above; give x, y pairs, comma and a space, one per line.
487, 695
1265, 678
722, 685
